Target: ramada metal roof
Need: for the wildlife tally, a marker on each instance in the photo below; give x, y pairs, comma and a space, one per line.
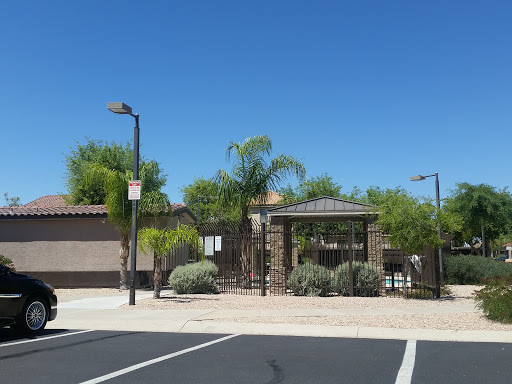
55, 205
322, 206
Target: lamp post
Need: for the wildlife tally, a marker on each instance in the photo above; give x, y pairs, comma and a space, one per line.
440, 277
123, 109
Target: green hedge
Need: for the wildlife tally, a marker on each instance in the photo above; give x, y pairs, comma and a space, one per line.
366, 279
470, 269
309, 280
200, 277
495, 299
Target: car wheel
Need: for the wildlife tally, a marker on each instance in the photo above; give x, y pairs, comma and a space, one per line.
34, 316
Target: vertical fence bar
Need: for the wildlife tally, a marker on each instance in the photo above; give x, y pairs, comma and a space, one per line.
350, 259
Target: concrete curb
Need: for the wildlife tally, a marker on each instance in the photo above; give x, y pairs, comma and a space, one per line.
347, 332
189, 321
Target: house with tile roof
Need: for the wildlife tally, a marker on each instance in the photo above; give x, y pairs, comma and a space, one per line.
71, 246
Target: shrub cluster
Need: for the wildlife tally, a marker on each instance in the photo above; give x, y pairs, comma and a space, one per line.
309, 280
495, 300
470, 269
7, 262
366, 279
200, 277
315, 280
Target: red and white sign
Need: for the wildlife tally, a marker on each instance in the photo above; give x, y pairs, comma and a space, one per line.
134, 190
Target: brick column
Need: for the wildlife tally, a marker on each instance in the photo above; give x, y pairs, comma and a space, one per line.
374, 234
277, 257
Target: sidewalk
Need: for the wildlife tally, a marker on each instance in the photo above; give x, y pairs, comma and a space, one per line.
102, 313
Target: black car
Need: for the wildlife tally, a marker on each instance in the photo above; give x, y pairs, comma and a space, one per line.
26, 303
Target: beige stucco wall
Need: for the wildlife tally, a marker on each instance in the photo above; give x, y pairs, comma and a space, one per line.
64, 245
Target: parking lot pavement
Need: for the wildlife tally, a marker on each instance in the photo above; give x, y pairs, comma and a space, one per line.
85, 356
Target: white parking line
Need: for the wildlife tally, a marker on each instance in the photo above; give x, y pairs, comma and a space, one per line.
45, 338
154, 361
405, 372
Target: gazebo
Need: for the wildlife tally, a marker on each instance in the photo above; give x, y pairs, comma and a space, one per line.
320, 210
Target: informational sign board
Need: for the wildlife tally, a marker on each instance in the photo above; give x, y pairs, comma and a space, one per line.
208, 245
134, 190
218, 243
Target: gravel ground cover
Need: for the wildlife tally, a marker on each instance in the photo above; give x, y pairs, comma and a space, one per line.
459, 295
65, 294
452, 321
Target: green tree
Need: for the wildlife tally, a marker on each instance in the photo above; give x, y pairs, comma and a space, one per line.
153, 204
312, 188
374, 195
12, 201
412, 222
480, 206
112, 156
211, 208
164, 241
498, 243
252, 175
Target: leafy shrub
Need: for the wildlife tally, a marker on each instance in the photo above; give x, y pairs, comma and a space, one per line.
470, 269
309, 280
200, 277
495, 299
366, 279
7, 262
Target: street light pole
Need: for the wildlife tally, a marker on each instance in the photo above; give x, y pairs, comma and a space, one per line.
440, 277
440, 251
123, 109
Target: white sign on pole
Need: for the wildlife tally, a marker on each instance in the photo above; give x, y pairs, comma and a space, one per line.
208, 246
218, 243
134, 190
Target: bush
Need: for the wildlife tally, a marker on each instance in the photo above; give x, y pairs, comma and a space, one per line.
7, 262
366, 279
198, 277
470, 269
309, 280
496, 299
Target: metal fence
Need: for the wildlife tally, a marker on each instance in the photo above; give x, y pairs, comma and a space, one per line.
360, 261
237, 252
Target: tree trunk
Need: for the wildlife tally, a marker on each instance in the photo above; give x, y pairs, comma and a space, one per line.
123, 255
157, 277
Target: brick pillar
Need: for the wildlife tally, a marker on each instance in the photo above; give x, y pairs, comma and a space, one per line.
374, 234
277, 257
295, 255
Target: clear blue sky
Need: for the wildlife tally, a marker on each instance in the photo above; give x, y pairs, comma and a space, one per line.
369, 92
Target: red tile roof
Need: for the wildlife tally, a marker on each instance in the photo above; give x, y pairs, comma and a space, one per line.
54, 205
48, 201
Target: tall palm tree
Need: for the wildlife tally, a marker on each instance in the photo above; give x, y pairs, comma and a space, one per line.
251, 177
162, 242
153, 203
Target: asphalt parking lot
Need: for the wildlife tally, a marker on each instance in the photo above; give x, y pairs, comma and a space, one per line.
85, 356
